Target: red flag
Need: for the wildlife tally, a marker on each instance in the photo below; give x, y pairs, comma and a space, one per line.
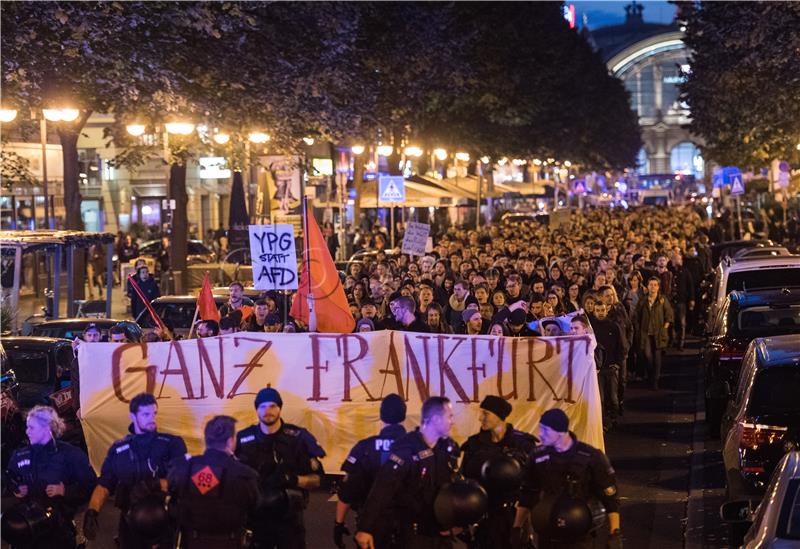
206, 303
320, 295
153, 314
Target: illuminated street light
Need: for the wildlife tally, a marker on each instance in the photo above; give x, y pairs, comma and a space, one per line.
413, 151
440, 154
385, 150
485, 159
221, 138
518, 162
357, 149
135, 129
308, 141
179, 128
258, 137
567, 163
537, 162
502, 161
462, 156
7, 115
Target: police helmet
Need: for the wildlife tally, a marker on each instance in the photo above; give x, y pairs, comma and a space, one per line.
501, 473
460, 504
564, 519
27, 522
133, 332
149, 518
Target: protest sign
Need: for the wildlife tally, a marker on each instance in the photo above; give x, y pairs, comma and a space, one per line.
415, 239
332, 384
273, 257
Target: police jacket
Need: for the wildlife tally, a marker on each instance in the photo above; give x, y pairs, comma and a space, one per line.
582, 472
135, 464
407, 484
479, 448
40, 465
214, 493
363, 463
291, 449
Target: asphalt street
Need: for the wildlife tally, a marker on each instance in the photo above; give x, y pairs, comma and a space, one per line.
671, 479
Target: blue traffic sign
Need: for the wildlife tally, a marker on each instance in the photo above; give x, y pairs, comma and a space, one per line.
579, 186
737, 185
391, 188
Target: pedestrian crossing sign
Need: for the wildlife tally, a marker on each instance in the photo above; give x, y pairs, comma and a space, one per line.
392, 189
737, 187
579, 186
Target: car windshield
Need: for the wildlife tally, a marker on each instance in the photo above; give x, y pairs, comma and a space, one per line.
29, 366
775, 391
179, 315
763, 278
755, 321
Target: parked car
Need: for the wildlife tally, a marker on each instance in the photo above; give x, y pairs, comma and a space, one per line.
760, 251
721, 250
197, 252
176, 311
40, 367
743, 317
775, 523
766, 272
249, 292
762, 421
70, 328
512, 218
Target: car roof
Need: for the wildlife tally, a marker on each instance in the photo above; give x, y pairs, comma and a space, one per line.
158, 240
791, 464
77, 321
778, 350
765, 296
743, 243
177, 299
773, 262
760, 250
32, 342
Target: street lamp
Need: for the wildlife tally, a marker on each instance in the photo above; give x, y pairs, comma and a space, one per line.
440, 154
179, 128
416, 152
67, 114
385, 150
357, 149
135, 129
61, 115
258, 137
462, 156
7, 115
308, 141
221, 138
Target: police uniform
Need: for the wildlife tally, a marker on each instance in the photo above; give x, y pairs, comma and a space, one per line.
131, 471
406, 487
495, 529
361, 467
40, 465
582, 472
215, 494
289, 452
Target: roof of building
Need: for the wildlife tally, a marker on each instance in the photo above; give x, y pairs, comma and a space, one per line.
611, 40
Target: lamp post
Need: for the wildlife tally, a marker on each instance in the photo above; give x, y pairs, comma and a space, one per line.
53, 115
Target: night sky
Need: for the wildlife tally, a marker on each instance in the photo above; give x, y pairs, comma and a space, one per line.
600, 13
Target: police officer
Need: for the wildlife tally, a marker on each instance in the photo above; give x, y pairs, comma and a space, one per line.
50, 474
362, 465
421, 462
135, 471
213, 494
564, 473
286, 458
494, 457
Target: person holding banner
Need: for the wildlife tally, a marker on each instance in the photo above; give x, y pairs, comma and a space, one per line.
420, 464
148, 287
135, 471
287, 459
362, 466
494, 457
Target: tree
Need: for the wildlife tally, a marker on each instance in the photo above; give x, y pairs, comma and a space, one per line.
744, 84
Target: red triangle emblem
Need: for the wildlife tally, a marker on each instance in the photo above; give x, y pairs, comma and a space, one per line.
205, 480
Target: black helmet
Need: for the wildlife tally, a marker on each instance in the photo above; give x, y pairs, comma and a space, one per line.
149, 517
25, 523
564, 518
460, 503
501, 473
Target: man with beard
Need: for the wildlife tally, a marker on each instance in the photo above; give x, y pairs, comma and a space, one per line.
135, 472
484, 454
286, 458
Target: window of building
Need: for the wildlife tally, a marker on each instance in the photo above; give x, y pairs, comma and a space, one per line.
685, 158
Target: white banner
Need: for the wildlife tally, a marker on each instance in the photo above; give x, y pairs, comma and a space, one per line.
332, 384
273, 256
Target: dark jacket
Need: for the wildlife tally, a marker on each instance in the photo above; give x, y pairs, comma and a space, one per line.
150, 290
652, 318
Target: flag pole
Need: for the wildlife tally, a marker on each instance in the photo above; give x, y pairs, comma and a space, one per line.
191, 328
307, 259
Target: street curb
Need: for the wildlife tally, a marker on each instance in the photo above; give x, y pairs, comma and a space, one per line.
695, 516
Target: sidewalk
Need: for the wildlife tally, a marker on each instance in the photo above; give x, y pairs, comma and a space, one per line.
30, 305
